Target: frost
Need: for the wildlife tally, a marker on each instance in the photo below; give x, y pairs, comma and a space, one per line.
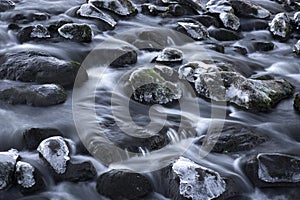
56, 153
280, 25
170, 55
120, 7
7, 167
39, 31
230, 20
25, 175
195, 30
296, 48
237, 94
197, 182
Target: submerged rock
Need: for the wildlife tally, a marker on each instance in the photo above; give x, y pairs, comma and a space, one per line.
296, 48
223, 34
150, 85
40, 67
117, 184
119, 7
8, 161
24, 174
35, 95
185, 179
128, 57
6, 5
170, 55
56, 152
263, 46
230, 20
90, 11
297, 101
280, 27
193, 29
76, 32
249, 9
33, 32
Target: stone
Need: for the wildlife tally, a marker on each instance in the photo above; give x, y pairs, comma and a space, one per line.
297, 101
296, 20
34, 95
117, 184
24, 174
223, 34
193, 29
247, 8
220, 6
208, 21
6, 5
129, 57
153, 10
40, 67
76, 32
90, 11
119, 7
170, 55
230, 20
151, 85
33, 33
280, 27
176, 10
263, 46
8, 161
254, 24
56, 152
296, 48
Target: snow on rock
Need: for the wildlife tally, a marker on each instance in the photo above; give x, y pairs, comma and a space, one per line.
230, 20
24, 174
119, 7
170, 55
7, 167
280, 26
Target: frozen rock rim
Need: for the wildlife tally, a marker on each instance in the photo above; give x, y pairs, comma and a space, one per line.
102, 148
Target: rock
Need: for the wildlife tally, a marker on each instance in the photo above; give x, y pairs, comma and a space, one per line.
240, 50
297, 101
196, 5
254, 24
185, 179
219, 6
40, 67
263, 46
222, 34
170, 55
34, 136
296, 20
33, 32
247, 8
56, 152
193, 29
6, 5
153, 10
151, 85
119, 7
90, 11
230, 20
296, 48
129, 57
76, 32
8, 161
233, 138
208, 20
34, 95
176, 10
117, 184
273, 170
24, 174
280, 27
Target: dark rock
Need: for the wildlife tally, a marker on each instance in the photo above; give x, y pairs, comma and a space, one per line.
33, 32
223, 34
6, 5
233, 138
280, 27
76, 32
208, 20
254, 24
35, 95
249, 9
273, 170
240, 50
230, 20
296, 20
297, 101
216, 47
34, 136
40, 67
40, 16
263, 46
13, 26
128, 57
170, 55
53, 28
176, 10
90, 11
153, 10
119, 7
8, 161
117, 184
193, 29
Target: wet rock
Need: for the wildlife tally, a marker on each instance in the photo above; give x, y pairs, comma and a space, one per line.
6, 5
296, 20
230, 20
296, 48
33, 33
151, 85
240, 50
263, 46
254, 24
297, 101
280, 27
273, 170
219, 6
193, 29
34, 136
76, 32
233, 138
247, 8
170, 55
90, 11
56, 152
117, 184
208, 20
223, 34
24, 174
129, 57
119, 7
8, 161
35, 95
185, 179
154, 10
40, 67
176, 10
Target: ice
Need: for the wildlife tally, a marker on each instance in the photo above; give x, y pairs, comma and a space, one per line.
120, 7
56, 153
25, 175
39, 31
7, 167
170, 55
230, 20
280, 25
197, 182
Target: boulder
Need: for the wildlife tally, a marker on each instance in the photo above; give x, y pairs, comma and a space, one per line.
208, 21
280, 27
8, 161
129, 57
119, 7
193, 29
223, 34
6, 5
247, 8
297, 101
40, 67
24, 174
230, 20
34, 95
153, 10
117, 184
296, 20
263, 46
36, 32
170, 55
219, 6
76, 32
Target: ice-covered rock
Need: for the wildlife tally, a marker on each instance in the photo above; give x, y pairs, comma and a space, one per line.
154, 10
24, 174
170, 55
280, 26
8, 161
193, 29
249, 9
76, 32
151, 85
56, 152
33, 32
296, 48
219, 6
297, 101
6, 5
119, 7
297, 20
90, 11
230, 20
